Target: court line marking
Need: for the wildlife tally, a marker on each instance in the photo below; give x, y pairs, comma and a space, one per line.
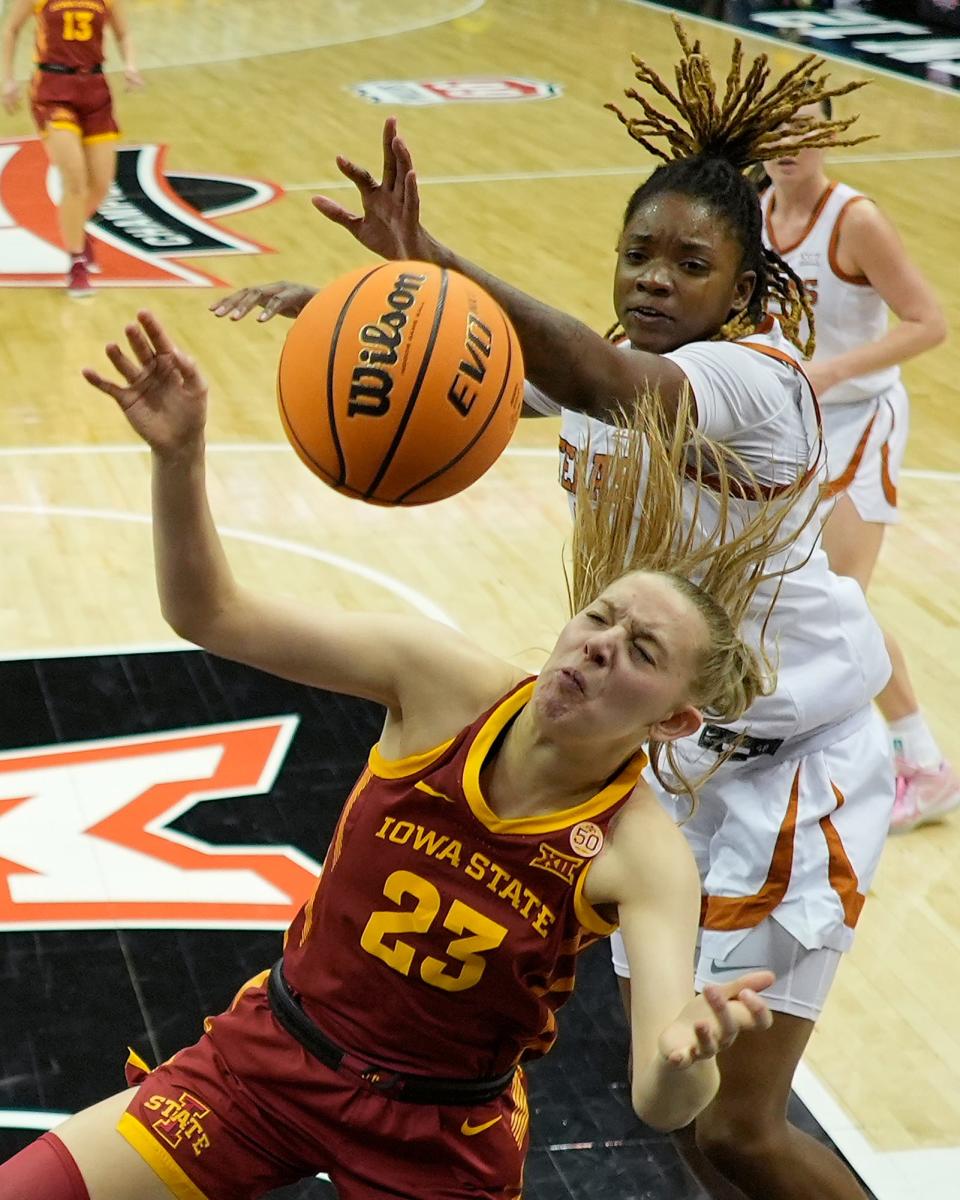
346, 40
638, 170
416, 600
852, 64
284, 448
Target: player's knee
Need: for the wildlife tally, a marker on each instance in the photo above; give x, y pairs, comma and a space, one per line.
732, 1142
45, 1168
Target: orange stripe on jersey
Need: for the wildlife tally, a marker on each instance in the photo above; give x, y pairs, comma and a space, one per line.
744, 912
337, 844
814, 217
849, 472
843, 878
857, 280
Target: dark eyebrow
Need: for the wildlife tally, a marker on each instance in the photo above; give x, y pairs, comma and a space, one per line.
637, 631
693, 244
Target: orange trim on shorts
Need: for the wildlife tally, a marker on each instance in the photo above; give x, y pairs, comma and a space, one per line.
814, 217
843, 878
69, 126
154, 1155
856, 280
745, 912
835, 486
886, 482
101, 137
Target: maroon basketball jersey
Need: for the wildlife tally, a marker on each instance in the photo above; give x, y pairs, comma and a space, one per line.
442, 939
70, 32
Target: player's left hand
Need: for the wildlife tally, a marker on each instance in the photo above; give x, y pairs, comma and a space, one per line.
132, 78
714, 1020
390, 222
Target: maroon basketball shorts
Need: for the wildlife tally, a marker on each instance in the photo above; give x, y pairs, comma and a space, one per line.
81, 103
247, 1109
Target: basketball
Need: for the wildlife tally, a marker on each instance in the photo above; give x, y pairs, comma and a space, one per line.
400, 383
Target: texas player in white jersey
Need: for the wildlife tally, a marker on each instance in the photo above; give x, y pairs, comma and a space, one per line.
855, 267
789, 829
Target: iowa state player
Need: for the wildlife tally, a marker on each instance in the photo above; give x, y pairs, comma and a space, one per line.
72, 107
500, 826
855, 266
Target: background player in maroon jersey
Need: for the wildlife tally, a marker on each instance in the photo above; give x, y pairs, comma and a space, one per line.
72, 107
499, 827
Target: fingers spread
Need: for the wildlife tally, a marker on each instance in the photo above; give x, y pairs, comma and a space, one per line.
130, 371
335, 212
162, 343
104, 385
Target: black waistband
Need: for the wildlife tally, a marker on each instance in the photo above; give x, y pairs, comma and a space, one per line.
61, 69
416, 1089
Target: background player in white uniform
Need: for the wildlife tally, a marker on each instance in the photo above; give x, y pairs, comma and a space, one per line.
855, 266
788, 836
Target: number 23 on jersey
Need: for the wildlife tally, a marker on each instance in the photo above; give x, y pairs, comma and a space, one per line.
482, 934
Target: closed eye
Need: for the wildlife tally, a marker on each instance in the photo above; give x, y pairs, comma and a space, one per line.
639, 648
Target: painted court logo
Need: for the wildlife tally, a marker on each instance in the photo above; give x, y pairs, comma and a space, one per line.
151, 219
87, 838
468, 89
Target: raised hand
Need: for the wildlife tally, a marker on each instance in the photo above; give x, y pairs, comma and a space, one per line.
163, 394
390, 222
280, 299
714, 1020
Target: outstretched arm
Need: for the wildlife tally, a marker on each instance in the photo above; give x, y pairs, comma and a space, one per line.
576, 367
391, 659
647, 869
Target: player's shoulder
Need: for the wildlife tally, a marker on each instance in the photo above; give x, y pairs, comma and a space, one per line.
645, 853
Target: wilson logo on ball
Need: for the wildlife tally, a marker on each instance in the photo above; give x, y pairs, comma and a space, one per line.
427, 352
372, 382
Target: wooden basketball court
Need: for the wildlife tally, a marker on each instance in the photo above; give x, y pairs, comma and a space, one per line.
533, 189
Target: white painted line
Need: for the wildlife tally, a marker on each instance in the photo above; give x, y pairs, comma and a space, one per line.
416, 600
347, 39
637, 169
284, 448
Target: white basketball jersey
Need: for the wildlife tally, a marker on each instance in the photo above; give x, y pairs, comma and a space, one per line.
848, 311
828, 649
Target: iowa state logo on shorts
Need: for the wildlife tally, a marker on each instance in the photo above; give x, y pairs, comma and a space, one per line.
151, 219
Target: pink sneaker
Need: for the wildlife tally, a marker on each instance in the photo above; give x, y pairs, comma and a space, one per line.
923, 795
78, 281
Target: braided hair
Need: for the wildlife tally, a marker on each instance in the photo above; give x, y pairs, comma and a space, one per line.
717, 141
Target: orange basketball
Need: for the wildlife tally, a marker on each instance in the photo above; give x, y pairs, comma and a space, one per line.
400, 383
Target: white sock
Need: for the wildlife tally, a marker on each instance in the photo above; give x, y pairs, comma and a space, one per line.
913, 741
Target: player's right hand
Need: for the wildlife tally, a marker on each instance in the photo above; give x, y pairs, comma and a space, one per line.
281, 299
163, 395
11, 95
